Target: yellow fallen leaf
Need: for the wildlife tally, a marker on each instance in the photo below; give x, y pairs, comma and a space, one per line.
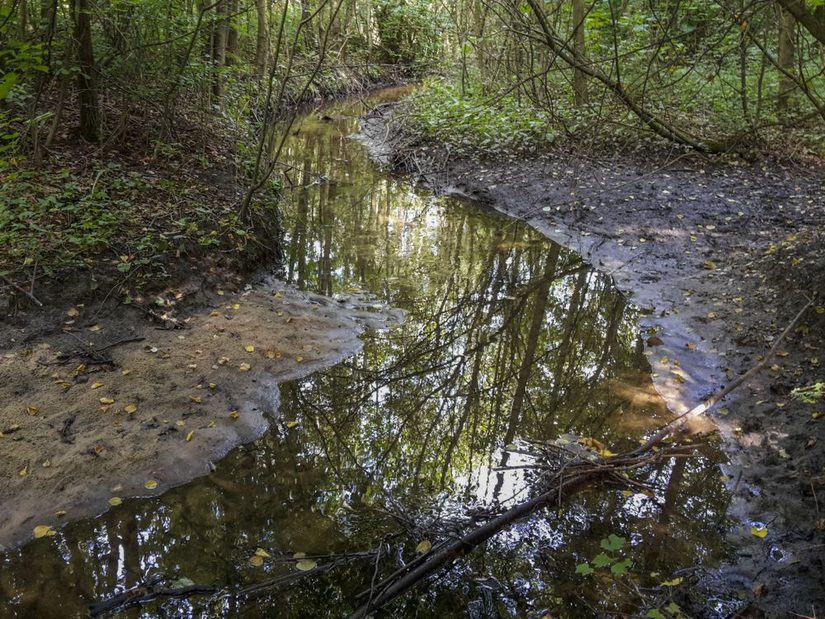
220, 293
817, 415
43, 530
95, 328
299, 555
60, 513
249, 348
211, 424
299, 359
305, 565
214, 313
234, 414
759, 531
256, 561
106, 401
125, 372
115, 501
32, 410
96, 385
244, 367
130, 408
150, 484
423, 546
260, 552
190, 435
73, 312
269, 354
212, 386
672, 583
627, 493
196, 399
291, 424
23, 472
180, 423
709, 265
223, 360
606, 453
236, 306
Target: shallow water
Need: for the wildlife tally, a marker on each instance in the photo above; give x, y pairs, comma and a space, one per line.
508, 340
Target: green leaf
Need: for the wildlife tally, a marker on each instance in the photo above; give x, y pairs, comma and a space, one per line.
621, 567
655, 613
584, 569
602, 560
613, 542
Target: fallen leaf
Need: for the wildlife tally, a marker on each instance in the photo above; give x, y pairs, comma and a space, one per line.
260, 552
190, 435
244, 367
256, 561
125, 372
234, 414
305, 565
60, 513
115, 501
291, 424
709, 265
73, 312
106, 401
32, 410
299, 359
43, 530
23, 472
672, 583
759, 530
150, 484
196, 399
95, 328
423, 546
249, 348
130, 408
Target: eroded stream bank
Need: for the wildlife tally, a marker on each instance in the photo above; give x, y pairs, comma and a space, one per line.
508, 341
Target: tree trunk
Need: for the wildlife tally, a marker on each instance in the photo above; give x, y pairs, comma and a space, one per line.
786, 58
579, 77
86, 83
231, 33
219, 48
262, 47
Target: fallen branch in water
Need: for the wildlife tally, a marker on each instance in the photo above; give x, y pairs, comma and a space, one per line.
571, 477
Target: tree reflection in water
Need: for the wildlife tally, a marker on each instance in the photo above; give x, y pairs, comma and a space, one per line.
508, 339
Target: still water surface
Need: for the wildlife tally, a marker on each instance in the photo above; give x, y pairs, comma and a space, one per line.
508, 340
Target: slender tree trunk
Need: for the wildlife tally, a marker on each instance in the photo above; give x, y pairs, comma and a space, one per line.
579, 77
86, 83
786, 58
231, 33
262, 47
219, 48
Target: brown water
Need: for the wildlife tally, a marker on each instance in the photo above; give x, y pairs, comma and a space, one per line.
508, 339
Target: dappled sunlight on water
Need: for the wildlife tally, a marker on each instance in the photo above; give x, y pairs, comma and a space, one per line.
509, 341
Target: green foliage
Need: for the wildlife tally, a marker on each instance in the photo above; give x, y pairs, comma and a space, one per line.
469, 123
811, 394
611, 559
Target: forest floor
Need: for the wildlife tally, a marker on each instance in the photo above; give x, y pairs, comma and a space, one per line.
720, 255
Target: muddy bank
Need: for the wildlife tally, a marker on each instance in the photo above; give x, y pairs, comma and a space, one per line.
720, 255
113, 407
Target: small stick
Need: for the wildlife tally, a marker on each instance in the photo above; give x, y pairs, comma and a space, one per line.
23, 290
719, 395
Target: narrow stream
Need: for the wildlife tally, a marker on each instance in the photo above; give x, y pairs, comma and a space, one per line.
509, 339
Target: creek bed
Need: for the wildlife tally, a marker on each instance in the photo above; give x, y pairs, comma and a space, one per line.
508, 340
